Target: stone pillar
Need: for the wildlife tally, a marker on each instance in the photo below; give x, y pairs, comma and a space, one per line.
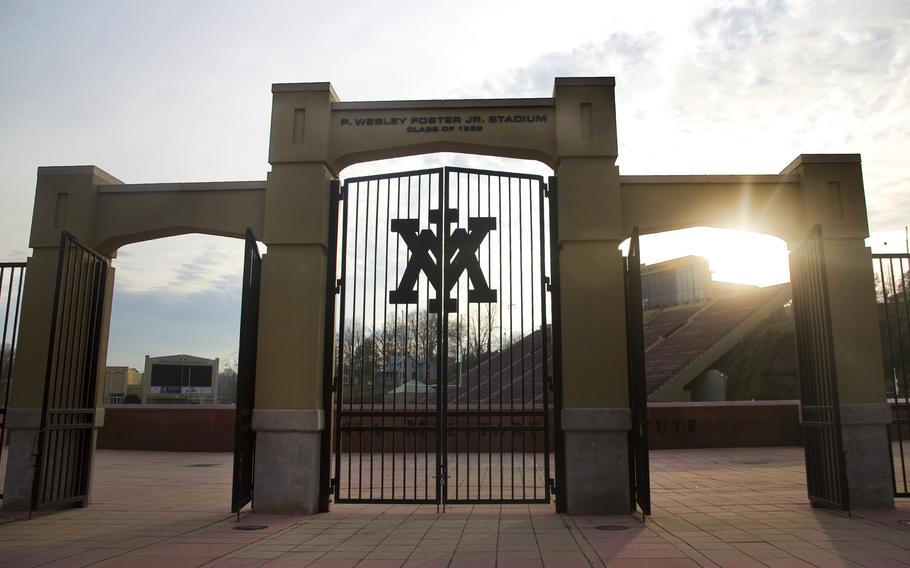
595, 415
288, 417
64, 199
833, 197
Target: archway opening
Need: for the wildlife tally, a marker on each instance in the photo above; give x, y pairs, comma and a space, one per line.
721, 369
171, 376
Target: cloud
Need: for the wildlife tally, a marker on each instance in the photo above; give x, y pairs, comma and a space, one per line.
180, 267
746, 87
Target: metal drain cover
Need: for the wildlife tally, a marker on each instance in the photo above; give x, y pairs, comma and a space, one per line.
611, 527
250, 527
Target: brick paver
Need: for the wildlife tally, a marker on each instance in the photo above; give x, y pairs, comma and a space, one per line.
726, 507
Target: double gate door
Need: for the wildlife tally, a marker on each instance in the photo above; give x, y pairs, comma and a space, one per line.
441, 378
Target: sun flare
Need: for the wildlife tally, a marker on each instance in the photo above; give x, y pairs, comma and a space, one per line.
733, 256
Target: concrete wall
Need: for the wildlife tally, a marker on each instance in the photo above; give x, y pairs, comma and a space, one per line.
166, 427
671, 426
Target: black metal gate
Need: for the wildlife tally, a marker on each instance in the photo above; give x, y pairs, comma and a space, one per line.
639, 464
826, 475
64, 441
244, 437
444, 378
892, 284
12, 277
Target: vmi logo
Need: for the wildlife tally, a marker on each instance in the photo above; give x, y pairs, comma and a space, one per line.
461, 255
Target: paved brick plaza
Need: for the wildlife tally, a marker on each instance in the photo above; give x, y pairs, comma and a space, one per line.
728, 507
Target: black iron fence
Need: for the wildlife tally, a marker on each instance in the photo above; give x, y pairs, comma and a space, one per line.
892, 283
12, 279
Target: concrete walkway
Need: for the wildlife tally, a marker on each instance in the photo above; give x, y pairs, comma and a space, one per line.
729, 507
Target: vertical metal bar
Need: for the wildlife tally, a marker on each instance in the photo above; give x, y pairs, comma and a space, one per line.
353, 339
429, 286
339, 383
490, 345
502, 431
363, 337
457, 333
476, 416
407, 349
442, 332
531, 283
385, 339
544, 342
328, 347
373, 334
555, 300
395, 350
521, 307
511, 350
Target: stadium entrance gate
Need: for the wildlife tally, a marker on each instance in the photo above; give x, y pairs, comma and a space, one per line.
442, 378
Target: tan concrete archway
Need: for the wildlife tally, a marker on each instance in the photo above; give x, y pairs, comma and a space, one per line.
314, 136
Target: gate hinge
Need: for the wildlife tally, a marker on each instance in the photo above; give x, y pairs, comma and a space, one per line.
552, 483
335, 380
550, 382
338, 286
341, 191
332, 483
546, 283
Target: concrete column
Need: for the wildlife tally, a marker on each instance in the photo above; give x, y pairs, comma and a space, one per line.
833, 197
288, 417
64, 199
595, 416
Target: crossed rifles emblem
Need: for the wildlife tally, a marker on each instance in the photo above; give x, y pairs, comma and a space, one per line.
461, 255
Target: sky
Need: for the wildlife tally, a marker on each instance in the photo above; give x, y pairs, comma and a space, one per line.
180, 91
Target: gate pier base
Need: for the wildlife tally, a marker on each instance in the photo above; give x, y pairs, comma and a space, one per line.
286, 476
597, 458
865, 434
22, 424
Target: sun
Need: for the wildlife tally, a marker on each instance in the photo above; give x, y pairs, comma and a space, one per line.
733, 256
